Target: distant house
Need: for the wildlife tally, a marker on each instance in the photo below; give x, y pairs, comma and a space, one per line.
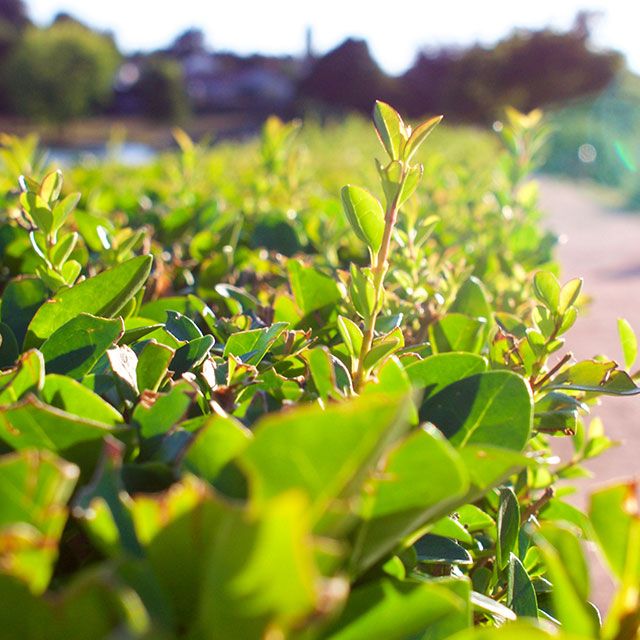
225, 82
220, 81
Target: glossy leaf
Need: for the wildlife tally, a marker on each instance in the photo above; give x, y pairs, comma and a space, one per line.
457, 332
252, 346
76, 346
103, 295
390, 128
191, 355
508, 524
365, 214
153, 365
73, 397
521, 596
419, 135
628, 342
486, 408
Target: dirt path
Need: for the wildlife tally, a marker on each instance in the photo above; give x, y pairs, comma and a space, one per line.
603, 247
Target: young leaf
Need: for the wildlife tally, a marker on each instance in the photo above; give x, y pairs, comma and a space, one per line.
628, 341
569, 294
418, 136
351, 335
62, 210
508, 524
390, 128
547, 289
365, 214
252, 346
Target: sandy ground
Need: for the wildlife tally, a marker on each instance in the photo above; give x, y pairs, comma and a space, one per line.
601, 245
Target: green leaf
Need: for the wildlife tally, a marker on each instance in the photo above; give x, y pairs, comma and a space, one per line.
26, 377
351, 336
489, 466
569, 294
595, 376
76, 346
383, 347
362, 291
63, 249
21, 299
521, 596
217, 442
547, 289
103, 295
450, 527
181, 327
365, 214
457, 332
73, 397
325, 453
153, 365
320, 363
613, 512
9, 350
252, 346
167, 410
63, 208
51, 186
567, 570
259, 573
32, 424
493, 608
628, 341
393, 610
418, 136
191, 355
486, 408
421, 480
311, 289
34, 489
472, 300
473, 518
434, 549
390, 128
38, 210
434, 373
508, 524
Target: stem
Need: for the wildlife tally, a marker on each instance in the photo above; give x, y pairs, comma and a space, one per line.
380, 264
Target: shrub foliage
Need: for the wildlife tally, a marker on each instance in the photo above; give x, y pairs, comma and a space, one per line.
236, 402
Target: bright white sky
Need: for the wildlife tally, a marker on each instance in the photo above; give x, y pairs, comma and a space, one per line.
395, 30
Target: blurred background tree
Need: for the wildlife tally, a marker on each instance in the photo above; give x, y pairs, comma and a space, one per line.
161, 91
13, 21
62, 72
347, 78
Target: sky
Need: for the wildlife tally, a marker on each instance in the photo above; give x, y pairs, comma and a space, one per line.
395, 30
